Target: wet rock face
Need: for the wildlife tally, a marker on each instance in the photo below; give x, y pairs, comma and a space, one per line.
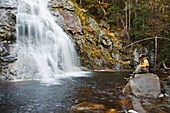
66, 16
8, 9
63, 12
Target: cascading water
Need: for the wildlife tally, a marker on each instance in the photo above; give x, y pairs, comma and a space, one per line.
44, 50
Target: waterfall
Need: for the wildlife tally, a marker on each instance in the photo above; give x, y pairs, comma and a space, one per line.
136, 55
44, 50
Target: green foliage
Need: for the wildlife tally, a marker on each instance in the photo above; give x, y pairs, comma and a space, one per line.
148, 18
167, 52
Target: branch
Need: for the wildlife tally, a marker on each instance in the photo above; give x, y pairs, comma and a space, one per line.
124, 28
150, 38
165, 65
104, 11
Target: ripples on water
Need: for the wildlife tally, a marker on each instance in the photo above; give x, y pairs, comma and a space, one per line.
41, 97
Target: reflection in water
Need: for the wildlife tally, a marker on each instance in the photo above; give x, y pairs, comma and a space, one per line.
35, 96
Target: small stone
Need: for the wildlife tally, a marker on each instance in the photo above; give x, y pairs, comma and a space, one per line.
132, 111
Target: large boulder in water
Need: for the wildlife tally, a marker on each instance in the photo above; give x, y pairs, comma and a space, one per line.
144, 85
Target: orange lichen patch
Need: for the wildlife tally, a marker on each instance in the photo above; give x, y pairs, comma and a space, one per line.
112, 35
100, 25
88, 29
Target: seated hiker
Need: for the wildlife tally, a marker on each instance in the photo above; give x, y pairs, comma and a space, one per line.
143, 66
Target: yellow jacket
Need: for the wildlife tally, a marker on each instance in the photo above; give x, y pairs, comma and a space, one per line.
144, 63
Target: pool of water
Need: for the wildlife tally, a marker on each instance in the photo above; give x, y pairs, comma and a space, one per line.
38, 97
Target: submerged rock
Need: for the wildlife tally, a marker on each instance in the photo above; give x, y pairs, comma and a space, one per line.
87, 106
111, 111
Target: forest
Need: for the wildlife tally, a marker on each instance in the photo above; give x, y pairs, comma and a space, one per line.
136, 22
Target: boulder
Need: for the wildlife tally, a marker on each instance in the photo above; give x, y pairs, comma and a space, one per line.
144, 85
133, 104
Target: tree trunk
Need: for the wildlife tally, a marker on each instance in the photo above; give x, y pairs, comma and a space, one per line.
104, 11
129, 13
156, 48
136, 4
126, 8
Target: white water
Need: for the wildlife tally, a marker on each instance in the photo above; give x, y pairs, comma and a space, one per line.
44, 49
136, 55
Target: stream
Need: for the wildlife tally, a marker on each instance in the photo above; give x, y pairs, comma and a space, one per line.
39, 97
59, 95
